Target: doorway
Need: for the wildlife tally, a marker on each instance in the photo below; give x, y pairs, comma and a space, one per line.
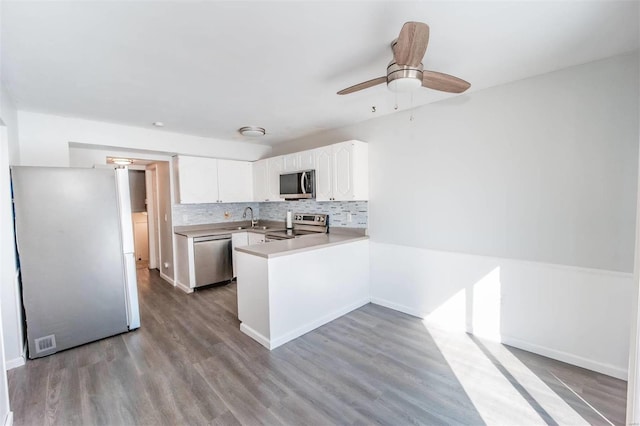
139, 216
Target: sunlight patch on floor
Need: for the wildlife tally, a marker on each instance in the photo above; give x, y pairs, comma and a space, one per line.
492, 392
502, 388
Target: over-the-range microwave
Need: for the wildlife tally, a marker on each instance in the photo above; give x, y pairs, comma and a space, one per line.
298, 185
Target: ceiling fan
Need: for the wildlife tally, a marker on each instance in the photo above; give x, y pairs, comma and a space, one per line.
405, 72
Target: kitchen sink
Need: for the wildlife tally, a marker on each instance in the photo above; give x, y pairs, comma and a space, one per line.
259, 228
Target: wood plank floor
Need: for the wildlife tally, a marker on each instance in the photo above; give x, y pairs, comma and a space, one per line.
190, 364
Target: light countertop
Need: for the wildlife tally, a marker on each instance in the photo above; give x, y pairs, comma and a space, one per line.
194, 231
298, 245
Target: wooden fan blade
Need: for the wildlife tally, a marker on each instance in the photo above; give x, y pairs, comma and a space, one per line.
364, 85
444, 82
412, 43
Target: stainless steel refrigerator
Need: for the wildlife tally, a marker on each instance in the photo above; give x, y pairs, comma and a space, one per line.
74, 236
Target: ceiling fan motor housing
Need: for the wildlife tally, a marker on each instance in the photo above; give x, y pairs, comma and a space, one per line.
403, 78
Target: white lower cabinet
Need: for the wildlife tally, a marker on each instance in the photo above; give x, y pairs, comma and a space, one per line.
255, 238
238, 239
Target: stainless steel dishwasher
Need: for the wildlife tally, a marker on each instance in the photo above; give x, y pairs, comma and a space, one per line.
212, 259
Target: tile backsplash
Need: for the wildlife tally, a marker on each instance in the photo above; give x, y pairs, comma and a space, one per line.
337, 211
197, 214
200, 214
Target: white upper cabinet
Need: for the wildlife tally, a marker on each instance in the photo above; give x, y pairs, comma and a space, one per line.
260, 181
307, 160
208, 180
197, 179
266, 179
324, 173
275, 166
299, 161
342, 172
290, 162
235, 181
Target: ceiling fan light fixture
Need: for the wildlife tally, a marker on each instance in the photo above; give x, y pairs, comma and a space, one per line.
122, 161
403, 78
404, 84
252, 131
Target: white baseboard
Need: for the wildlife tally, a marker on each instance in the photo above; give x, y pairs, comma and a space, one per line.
167, 278
281, 340
579, 361
397, 307
183, 287
15, 362
609, 370
8, 421
255, 335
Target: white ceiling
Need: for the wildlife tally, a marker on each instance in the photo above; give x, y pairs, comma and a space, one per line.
208, 68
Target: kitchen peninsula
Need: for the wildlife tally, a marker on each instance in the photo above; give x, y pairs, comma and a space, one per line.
290, 287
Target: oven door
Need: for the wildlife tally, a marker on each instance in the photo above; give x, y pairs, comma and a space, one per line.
295, 186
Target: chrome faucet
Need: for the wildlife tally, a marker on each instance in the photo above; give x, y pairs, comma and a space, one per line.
244, 216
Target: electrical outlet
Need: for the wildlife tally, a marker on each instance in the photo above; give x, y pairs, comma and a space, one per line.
227, 215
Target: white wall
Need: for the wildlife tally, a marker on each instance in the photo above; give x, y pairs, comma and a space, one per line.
8, 284
9, 116
88, 156
542, 170
11, 299
7, 276
44, 140
577, 315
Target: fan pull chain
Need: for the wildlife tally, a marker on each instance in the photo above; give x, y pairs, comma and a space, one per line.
396, 105
411, 106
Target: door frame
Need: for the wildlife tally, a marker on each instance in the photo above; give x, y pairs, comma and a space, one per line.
153, 221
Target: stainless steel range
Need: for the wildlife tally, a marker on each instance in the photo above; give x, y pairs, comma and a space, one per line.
303, 224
